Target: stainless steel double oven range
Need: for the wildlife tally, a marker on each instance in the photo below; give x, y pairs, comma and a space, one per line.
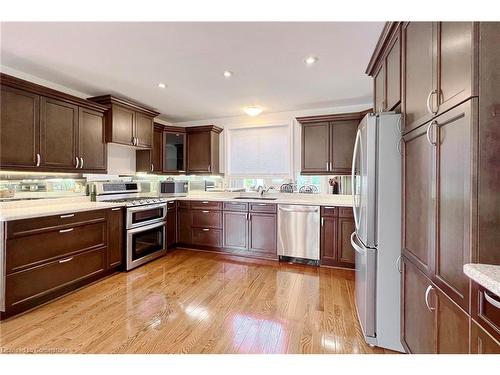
145, 220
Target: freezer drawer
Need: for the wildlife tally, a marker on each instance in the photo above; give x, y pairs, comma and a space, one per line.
298, 231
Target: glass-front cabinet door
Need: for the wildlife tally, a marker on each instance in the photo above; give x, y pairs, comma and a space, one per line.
174, 155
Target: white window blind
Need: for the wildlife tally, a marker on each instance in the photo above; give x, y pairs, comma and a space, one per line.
259, 151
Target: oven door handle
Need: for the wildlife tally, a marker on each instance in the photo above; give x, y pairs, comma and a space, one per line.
146, 207
145, 227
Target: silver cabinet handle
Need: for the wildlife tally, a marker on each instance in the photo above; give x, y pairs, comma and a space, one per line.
327, 168
429, 104
116, 209
261, 204
322, 221
399, 146
398, 264
81, 163
205, 212
210, 168
66, 216
427, 292
66, 230
181, 171
491, 300
77, 162
205, 230
152, 167
400, 120
133, 141
38, 159
428, 133
136, 141
66, 260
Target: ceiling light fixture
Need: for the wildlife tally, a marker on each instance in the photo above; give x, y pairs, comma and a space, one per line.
162, 85
310, 60
228, 74
253, 110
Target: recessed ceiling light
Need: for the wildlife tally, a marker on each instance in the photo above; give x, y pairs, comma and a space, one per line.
162, 85
310, 60
253, 110
228, 74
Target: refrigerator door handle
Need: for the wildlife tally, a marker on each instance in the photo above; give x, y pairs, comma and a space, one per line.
356, 247
353, 180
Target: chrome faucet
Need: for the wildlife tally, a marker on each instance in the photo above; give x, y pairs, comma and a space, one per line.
262, 189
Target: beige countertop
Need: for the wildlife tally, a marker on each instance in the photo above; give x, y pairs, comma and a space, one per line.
486, 275
45, 207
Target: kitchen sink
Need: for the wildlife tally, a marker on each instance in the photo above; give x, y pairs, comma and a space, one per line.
258, 198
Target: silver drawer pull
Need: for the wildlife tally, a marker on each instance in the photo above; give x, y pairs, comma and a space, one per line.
261, 204
66, 216
205, 230
116, 209
66, 230
329, 207
205, 212
66, 260
491, 300
204, 202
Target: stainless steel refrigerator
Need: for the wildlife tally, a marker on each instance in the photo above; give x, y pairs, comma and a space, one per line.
376, 190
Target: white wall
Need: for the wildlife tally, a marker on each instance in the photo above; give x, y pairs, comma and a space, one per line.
277, 118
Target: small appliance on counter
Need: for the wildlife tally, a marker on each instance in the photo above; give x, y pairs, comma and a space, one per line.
172, 188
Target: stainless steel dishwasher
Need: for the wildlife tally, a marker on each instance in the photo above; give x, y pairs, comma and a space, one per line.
298, 231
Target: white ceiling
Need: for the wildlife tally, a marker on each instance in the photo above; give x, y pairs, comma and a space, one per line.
130, 59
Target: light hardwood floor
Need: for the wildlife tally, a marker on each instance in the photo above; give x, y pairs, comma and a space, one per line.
196, 302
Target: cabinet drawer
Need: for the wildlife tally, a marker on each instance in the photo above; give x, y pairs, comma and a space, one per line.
183, 204
27, 251
206, 205
171, 205
345, 212
263, 207
41, 224
486, 310
206, 219
26, 287
206, 237
235, 206
329, 211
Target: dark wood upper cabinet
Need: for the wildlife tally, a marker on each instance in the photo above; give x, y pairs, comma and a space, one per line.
174, 151
127, 123
316, 148
327, 143
385, 68
47, 130
418, 329
157, 150
203, 149
91, 141
58, 134
379, 83
20, 132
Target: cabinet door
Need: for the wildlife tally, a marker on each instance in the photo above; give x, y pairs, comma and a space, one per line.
316, 148
157, 151
343, 137
199, 153
59, 133
174, 154
345, 252
393, 75
418, 72
454, 63
452, 326
92, 146
235, 230
481, 342
123, 124
452, 133
379, 82
143, 130
184, 226
328, 240
19, 128
115, 237
418, 321
262, 234
171, 228
418, 199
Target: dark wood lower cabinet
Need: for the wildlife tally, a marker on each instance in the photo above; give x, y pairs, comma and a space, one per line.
235, 230
262, 238
328, 240
481, 342
184, 226
337, 225
171, 228
50, 256
452, 324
